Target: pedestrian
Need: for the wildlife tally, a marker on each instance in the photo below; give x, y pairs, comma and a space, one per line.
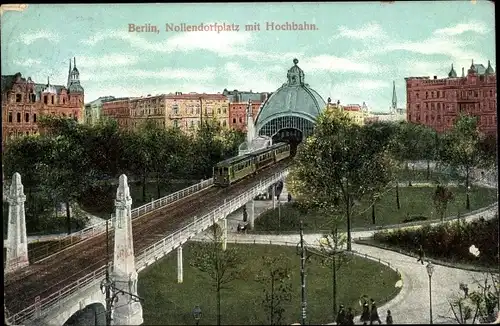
349, 318
239, 228
341, 316
388, 318
374, 313
365, 315
289, 197
420, 255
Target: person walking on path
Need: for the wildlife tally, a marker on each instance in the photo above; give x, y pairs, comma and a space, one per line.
289, 197
349, 318
365, 315
374, 313
388, 318
341, 316
420, 255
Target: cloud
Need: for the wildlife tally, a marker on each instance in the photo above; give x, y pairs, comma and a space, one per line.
371, 30
336, 64
27, 62
255, 79
105, 61
29, 38
473, 26
225, 43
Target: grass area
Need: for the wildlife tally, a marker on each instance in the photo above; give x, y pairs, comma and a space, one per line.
416, 204
170, 303
420, 176
100, 202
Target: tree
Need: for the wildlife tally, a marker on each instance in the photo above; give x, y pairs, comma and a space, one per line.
277, 288
441, 197
221, 266
332, 255
338, 166
460, 149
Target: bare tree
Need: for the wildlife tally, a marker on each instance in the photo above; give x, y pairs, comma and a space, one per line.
275, 276
441, 197
221, 266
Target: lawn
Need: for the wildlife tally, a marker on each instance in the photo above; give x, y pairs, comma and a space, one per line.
416, 203
170, 303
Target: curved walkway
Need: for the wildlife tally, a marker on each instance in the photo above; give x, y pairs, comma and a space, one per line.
411, 305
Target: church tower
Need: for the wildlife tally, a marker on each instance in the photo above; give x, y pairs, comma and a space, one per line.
394, 98
74, 79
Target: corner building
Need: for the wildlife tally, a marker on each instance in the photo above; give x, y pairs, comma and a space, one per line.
438, 102
238, 114
24, 102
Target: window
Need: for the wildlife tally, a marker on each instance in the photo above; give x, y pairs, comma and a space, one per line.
18, 117
33, 98
175, 109
439, 94
418, 106
176, 124
439, 106
52, 99
224, 123
432, 106
426, 94
10, 116
45, 99
27, 117
19, 97
225, 110
234, 120
241, 120
34, 117
417, 95
218, 111
27, 133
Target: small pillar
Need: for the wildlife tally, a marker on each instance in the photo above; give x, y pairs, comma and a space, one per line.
250, 207
127, 311
179, 265
223, 226
273, 194
17, 241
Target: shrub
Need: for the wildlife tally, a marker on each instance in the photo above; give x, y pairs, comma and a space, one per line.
449, 241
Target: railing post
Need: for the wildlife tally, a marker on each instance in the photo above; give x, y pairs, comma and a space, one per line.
37, 307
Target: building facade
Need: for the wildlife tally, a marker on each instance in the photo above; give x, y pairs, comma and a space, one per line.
356, 112
92, 112
118, 109
24, 102
188, 111
245, 96
438, 102
238, 114
150, 108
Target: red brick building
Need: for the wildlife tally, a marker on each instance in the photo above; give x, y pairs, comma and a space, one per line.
238, 114
437, 102
119, 110
24, 101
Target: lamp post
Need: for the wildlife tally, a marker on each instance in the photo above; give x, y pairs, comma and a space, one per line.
108, 286
430, 270
197, 314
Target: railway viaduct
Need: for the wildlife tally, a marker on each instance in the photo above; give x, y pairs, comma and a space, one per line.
60, 288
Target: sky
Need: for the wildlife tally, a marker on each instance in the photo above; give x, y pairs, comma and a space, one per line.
353, 55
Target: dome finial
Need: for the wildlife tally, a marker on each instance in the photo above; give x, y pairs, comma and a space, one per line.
295, 61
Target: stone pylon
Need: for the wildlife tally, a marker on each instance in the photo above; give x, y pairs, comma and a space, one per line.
126, 311
17, 240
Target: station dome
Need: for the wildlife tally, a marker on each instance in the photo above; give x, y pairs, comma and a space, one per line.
293, 98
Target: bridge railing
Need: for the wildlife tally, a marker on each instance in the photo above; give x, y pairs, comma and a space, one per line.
34, 310
91, 231
162, 248
169, 243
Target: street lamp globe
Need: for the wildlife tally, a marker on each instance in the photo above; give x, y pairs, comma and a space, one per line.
197, 314
430, 269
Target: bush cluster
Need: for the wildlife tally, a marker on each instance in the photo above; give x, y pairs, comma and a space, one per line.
449, 241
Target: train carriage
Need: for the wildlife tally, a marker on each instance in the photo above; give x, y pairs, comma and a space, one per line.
281, 151
233, 169
263, 158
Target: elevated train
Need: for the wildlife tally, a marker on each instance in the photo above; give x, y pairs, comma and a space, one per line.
234, 169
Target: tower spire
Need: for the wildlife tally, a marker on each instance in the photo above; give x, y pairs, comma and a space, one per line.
394, 97
69, 73
74, 61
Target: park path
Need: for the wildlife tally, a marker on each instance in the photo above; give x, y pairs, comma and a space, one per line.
411, 305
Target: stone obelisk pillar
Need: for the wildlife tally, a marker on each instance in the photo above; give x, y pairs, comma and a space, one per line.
17, 240
126, 311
